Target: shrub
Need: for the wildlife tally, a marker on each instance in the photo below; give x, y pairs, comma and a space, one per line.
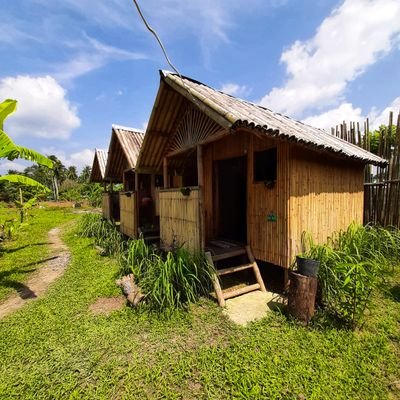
353, 262
169, 280
104, 232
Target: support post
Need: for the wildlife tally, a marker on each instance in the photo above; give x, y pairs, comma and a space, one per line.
200, 182
137, 212
165, 172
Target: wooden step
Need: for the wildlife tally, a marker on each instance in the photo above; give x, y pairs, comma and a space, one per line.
230, 270
238, 292
223, 295
229, 254
149, 238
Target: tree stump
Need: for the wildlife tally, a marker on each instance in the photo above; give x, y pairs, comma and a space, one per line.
302, 293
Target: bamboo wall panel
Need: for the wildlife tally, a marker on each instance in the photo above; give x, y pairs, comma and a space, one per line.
106, 205
157, 201
268, 239
326, 195
128, 213
179, 218
228, 147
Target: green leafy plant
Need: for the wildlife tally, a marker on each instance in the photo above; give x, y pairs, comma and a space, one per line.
352, 263
106, 236
169, 280
10, 150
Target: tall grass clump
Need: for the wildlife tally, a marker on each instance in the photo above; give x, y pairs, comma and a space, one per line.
169, 280
352, 263
104, 232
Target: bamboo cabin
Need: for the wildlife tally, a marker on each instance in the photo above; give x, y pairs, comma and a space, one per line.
122, 155
238, 178
97, 175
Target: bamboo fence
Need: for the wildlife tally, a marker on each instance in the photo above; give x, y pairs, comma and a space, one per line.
382, 184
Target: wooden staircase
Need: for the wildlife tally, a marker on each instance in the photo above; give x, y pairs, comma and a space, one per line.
150, 235
251, 264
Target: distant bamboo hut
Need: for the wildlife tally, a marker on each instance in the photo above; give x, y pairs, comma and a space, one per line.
236, 174
97, 174
123, 151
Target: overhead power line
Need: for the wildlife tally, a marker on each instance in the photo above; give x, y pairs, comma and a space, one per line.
155, 34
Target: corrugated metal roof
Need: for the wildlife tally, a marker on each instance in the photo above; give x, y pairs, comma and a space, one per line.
240, 113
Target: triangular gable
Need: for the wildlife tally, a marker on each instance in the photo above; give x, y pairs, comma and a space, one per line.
97, 173
123, 151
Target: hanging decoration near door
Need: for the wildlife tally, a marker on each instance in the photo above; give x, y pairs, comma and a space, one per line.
194, 127
271, 217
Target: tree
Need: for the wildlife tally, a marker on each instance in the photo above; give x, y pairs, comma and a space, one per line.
59, 175
85, 174
11, 151
72, 173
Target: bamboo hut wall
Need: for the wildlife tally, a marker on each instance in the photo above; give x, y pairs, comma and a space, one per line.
229, 147
127, 201
326, 195
106, 205
180, 218
157, 201
268, 239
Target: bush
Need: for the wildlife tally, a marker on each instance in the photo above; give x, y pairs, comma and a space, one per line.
104, 233
353, 262
169, 280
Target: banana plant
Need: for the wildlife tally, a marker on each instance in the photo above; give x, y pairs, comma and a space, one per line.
9, 149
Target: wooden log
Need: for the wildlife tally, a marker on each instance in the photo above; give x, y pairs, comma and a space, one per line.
302, 293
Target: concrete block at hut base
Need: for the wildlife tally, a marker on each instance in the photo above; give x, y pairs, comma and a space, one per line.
252, 306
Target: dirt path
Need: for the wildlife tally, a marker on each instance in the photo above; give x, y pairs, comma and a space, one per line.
37, 284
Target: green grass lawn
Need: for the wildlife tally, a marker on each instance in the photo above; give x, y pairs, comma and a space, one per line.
55, 348
28, 250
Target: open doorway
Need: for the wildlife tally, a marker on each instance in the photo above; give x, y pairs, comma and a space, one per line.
231, 199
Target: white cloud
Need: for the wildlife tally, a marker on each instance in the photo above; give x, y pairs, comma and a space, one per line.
353, 37
209, 21
235, 90
382, 118
329, 119
43, 109
79, 159
110, 12
91, 55
11, 34
17, 166
144, 126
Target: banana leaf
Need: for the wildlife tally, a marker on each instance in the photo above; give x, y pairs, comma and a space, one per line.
24, 180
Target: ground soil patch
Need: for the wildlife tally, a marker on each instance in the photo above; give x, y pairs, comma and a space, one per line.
106, 305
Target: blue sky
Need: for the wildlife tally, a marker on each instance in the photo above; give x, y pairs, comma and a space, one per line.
78, 66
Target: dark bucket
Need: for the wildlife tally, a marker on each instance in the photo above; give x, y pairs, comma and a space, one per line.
307, 267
